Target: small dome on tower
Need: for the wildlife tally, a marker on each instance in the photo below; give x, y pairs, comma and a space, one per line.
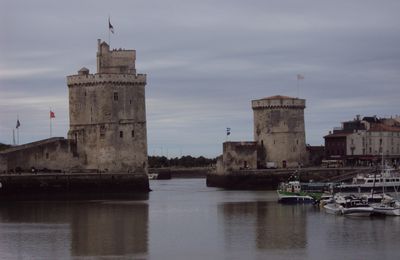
83, 71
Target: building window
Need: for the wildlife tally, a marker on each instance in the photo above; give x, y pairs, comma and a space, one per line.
115, 96
121, 134
47, 155
133, 133
130, 101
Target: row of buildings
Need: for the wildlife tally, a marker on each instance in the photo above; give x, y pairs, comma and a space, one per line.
363, 141
279, 140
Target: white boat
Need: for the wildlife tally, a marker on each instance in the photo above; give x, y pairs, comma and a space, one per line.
388, 206
387, 179
386, 209
326, 199
333, 208
348, 205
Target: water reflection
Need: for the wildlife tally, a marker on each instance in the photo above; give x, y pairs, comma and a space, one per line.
51, 229
264, 225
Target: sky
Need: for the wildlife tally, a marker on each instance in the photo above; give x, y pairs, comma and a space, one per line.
205, 61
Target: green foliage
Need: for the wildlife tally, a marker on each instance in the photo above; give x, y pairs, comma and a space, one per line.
184, 161
4, 146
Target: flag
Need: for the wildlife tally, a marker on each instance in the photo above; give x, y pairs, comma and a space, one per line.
228, 131
52, 115
110, 27
18, 124
299, 77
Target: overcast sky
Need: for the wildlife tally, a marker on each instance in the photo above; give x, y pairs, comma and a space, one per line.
205, 61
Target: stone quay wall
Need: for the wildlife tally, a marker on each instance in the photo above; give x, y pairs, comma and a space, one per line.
70, 185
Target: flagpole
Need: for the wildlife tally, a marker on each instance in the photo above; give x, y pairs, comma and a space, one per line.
50, 122
298, 90
13, 137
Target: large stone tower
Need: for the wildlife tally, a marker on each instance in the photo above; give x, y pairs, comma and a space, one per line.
279, 130
107, 113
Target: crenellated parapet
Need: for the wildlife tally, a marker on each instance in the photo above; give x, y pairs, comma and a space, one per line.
101, 79
278, 102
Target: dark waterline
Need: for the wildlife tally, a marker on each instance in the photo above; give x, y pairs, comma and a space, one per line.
183, 219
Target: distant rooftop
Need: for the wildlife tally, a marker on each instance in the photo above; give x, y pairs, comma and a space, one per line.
383, 128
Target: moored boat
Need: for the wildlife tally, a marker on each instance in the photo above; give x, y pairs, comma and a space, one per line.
388, 179
291, 192
386, 210
333, 208
349, 205
390, 207
356, 207
326, 199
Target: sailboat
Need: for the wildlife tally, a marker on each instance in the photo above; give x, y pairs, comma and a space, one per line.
389, 205
390, 208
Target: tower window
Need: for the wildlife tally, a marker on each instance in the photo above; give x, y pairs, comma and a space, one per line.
133, 133
121, 134
102, 131
130, 101
115, 96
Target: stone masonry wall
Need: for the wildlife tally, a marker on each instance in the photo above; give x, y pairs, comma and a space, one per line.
239, 156
52, 154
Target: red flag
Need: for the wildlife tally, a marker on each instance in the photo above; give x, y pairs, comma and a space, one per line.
52, 115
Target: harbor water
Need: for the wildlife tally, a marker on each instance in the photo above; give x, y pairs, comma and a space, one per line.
184, 219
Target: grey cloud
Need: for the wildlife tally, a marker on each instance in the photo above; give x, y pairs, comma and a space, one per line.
205, 60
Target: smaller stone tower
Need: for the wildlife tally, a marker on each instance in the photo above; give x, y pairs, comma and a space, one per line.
279, 130
108, 113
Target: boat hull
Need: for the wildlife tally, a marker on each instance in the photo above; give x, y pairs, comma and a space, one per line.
358, 211
294, 198
388, 211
